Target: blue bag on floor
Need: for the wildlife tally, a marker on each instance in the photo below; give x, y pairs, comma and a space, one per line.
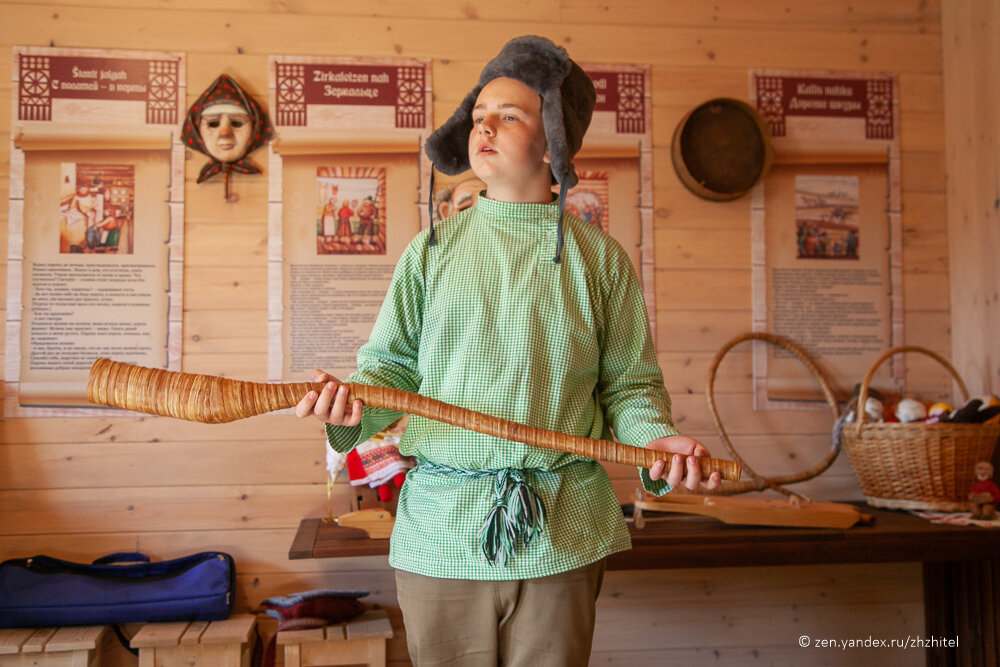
118, 588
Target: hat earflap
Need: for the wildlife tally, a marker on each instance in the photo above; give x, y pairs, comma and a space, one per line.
563, 172
448, 146
555, 138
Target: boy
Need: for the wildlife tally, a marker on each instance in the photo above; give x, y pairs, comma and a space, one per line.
512, 309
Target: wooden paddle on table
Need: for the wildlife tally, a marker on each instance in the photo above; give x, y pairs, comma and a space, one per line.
794, 512
213, 400
374, 523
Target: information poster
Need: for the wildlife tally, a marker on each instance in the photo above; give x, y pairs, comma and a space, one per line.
826, 230
96, 286
615, 166
606, 197
590, 200
95, 253
828, 287
348, 194
344, 230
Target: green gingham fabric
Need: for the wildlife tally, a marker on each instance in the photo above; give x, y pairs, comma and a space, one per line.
485, 320
518, 512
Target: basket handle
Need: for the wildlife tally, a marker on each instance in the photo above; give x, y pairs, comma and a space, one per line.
863, 394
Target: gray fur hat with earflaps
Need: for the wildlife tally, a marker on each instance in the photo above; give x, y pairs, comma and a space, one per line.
568, 99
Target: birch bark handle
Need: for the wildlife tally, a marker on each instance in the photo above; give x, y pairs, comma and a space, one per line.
603, 450
214, 400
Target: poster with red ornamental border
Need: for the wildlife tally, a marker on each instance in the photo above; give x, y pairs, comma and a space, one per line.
615, 166
348, 189
95, 252
826, 230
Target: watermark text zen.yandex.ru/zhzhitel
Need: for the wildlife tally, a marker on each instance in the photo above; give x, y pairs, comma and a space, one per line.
910, 641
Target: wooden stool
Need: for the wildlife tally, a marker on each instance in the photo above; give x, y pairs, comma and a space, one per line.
51, 647
196, 644
357, 642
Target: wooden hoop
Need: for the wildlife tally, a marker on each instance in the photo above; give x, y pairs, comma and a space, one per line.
757, 482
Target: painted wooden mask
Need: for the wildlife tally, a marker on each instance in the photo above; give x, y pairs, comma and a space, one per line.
226, 124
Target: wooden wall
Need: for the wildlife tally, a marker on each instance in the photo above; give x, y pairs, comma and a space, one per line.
972, 129
82, 487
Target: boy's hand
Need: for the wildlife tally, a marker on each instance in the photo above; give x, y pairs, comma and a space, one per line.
684, 467
330, 405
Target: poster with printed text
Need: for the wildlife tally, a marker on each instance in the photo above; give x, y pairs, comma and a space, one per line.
348, 194
94, 265
826, 229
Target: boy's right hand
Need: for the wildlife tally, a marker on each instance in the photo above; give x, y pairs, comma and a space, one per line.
330, 405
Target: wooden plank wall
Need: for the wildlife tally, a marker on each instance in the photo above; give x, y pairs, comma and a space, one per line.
79, 488
972, 130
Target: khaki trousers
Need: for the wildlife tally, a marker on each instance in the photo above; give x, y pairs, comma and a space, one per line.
544, 622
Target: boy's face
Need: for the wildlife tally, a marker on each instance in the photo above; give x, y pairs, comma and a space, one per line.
507, 147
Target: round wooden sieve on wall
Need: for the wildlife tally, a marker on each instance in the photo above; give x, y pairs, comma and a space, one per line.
721, 149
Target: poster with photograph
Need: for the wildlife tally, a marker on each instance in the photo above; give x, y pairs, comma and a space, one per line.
826, 217
350, 203
348, 192
589, 199
826, 229
96, 205
452, 197
826, 291
344, 228
95, 247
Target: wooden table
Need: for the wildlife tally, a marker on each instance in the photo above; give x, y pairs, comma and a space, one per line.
961, 565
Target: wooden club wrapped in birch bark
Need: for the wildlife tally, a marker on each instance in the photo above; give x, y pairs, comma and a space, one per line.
215, 400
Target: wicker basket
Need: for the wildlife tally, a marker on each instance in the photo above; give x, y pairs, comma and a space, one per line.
916, 466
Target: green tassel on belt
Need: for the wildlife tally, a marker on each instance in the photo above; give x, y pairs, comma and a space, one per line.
517, 513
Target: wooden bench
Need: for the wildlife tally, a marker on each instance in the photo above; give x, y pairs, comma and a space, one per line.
51, 647
196, 644
357, 642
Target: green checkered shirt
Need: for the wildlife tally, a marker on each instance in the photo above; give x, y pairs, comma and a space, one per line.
487, 321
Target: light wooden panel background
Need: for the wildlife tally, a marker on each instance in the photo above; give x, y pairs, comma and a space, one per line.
972, 130
80, 488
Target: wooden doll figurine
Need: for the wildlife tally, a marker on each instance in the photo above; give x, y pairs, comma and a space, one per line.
985, 495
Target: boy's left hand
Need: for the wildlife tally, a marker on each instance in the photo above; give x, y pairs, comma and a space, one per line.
684, 466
